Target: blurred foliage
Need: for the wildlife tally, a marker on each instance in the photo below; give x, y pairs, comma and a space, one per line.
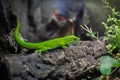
115, 3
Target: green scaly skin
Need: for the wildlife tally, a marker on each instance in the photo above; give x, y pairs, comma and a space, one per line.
45, 45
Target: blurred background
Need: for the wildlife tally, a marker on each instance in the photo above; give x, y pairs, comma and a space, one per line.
35, 14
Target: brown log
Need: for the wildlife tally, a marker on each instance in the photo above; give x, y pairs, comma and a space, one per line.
58, 64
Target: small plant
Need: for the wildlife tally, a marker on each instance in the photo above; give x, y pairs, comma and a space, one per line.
90, 32
112, 29
112, 35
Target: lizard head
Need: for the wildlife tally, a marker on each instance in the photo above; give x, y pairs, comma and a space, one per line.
72, 39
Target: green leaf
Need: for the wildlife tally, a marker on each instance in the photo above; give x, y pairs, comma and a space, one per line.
107, 63
105, 69
110, 61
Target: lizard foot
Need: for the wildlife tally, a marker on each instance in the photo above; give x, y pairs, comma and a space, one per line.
38, 51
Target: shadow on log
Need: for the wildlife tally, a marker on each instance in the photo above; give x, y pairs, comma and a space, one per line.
58, 64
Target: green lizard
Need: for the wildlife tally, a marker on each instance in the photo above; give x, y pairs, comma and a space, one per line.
45, 45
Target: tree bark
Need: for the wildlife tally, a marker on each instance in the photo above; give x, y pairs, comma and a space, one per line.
58, 64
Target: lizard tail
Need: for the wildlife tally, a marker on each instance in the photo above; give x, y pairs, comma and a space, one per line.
16, 34
20, 41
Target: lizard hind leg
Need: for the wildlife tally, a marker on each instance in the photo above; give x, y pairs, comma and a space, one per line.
41, 50
38, 51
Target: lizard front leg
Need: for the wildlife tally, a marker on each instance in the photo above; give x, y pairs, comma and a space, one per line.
63, 45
